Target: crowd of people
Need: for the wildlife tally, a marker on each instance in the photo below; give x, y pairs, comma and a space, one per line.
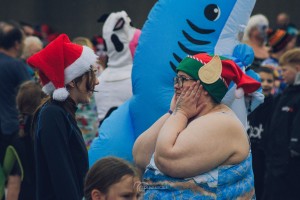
199, 149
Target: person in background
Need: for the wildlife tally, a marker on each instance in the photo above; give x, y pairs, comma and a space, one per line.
121, 40
257, 123
67, 74
86, 116
12, 75
28, 29
256, 36
28, 99
47, 34
283, 145
112, 178
283, 21
199, 149
83, 41
279, 42
100, 48
32, 45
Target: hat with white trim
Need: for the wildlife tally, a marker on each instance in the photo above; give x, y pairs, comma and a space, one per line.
60, 62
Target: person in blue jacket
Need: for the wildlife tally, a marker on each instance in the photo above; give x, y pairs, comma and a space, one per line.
67, 74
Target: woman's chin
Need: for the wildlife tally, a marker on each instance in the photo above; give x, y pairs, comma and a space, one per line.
85, 101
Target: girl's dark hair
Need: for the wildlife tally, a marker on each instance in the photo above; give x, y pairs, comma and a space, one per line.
68, 104
266, 69
106, 172
91, 76
28, 99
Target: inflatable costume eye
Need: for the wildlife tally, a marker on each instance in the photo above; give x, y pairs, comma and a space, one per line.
212, 12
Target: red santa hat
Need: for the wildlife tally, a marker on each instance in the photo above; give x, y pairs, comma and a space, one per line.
59, 63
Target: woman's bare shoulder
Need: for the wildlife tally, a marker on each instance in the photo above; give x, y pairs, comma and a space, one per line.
218, 120
224, 128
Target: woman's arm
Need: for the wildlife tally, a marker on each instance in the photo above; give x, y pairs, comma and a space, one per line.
185, 150
145, 144
208, 142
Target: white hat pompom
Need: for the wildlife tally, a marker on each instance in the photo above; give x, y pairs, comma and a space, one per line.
60, 94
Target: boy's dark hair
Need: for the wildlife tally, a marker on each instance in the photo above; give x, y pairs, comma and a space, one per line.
9, 34
266, 70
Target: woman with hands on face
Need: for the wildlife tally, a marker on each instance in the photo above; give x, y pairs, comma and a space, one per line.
199, 148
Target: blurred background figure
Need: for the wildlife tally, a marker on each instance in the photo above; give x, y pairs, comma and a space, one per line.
83, 41
32, 45
28, 99
279, 42
100, 48
86, 116
282, 180
121, 39
28, 28
283, 22
47, 34
257, 123
256, 36
12, 75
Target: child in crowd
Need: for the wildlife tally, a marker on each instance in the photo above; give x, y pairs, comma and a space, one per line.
257, 122
28, 99
112, 178
283, 146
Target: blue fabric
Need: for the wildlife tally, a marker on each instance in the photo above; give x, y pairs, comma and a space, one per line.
12, 74
173, 30
224, 182
119, 144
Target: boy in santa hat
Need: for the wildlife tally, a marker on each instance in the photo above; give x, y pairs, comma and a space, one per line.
67, 73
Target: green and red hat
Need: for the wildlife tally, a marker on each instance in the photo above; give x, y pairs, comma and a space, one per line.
215, 74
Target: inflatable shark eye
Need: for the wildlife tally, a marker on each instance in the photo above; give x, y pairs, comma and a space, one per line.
212, 12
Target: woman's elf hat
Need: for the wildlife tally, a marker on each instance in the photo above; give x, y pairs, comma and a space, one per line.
215, 74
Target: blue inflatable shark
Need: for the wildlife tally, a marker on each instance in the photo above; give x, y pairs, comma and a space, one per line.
174, 29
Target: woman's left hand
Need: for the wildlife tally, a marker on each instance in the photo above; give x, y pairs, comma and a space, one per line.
188, 102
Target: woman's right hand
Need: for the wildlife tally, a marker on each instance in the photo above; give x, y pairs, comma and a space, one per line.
188, 101
173, 102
